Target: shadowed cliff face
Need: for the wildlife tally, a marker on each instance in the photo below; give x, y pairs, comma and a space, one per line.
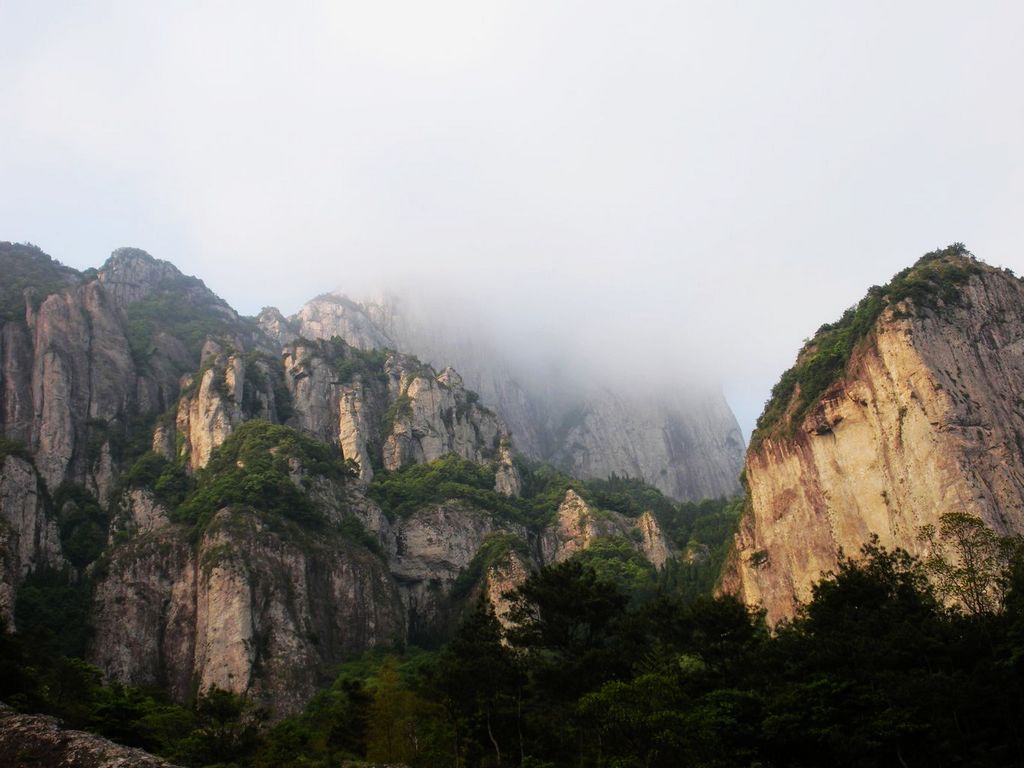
925, 418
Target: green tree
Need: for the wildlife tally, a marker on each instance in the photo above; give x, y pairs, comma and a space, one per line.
227, 728
480, 680
969, 562
401, 726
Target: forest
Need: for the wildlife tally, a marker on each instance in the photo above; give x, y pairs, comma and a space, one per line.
893, 661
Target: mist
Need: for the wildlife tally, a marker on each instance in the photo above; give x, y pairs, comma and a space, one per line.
669, 194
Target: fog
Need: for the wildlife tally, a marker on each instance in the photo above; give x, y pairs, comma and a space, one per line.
661, 192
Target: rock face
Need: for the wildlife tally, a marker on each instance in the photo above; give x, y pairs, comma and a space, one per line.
578, 525
332, 315
390, 413
654, 545
35, 740
28, 534
249, 609
926, 418
503, 578
688, 447
73, 384
431, 549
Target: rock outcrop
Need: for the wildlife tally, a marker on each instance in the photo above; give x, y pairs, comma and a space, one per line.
503, 578
578, 525
925, 418
332, 315
430, 550
689, 447
28, 533
387, 410
254, 607
28, 741
76, 386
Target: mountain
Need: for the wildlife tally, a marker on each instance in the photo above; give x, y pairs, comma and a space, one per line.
907, 408
192, 499
685, 443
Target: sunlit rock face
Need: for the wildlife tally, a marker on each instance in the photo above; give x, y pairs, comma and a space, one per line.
927, 419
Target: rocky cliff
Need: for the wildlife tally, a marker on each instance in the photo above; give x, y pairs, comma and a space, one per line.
87, 362
690, 447
907, 408
214, 481
29, 537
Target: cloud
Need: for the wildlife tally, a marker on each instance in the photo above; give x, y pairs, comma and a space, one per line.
680, 190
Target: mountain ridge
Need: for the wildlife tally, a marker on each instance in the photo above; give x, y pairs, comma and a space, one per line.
237, 510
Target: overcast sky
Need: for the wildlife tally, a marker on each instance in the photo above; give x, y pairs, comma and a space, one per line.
679, 189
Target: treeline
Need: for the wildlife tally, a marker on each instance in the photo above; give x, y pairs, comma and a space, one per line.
875, 670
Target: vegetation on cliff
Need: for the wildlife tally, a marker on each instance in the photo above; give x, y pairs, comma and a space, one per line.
933, 281
180, 306
254, 468
23, 267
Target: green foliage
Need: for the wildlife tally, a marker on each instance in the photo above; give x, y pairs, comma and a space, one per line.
352, 528
629, 496
253, 468
703, 531
399, 409
616, 561
332, 729
566, 620
182, 307
367, 364
451, 477
495, 548
226, 729
969, 563
544, 487
873, 671
83, 524
258, 367
402, 492
11, 447
25, 266
403, 727
933, 281
167, 480
52, 612
479, 680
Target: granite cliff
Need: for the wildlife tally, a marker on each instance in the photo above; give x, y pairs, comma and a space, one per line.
687, 445
249, 502
907, 408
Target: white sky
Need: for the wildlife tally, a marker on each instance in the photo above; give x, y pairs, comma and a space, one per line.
670, 190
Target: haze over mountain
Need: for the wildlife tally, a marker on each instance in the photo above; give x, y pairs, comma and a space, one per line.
722, 176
